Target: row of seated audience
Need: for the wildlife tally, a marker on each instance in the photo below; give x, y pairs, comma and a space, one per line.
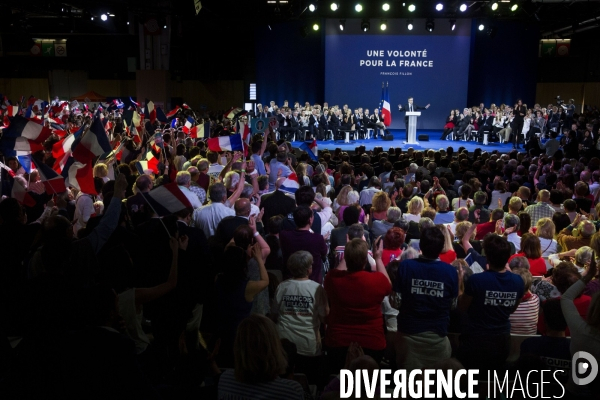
399, 259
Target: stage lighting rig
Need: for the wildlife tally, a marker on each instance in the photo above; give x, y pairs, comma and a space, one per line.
412, 8
365, 25
430, 25
312, 8
494, 6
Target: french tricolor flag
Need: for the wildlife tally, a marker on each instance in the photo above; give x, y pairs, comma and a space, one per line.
226, 143
173, 112
189, 122
150, 112
81, 177
167, 199
12, 111
20, 193
22, 127
92, 143
150, 162
12, 146
197, 131
311, 149
290, 184
53, 182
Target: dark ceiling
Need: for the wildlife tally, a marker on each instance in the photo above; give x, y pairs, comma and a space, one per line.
552, 17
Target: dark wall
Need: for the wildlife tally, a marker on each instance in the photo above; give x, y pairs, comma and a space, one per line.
503, 68
289, 66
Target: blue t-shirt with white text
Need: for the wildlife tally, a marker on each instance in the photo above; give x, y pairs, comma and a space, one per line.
427, 288
495, 296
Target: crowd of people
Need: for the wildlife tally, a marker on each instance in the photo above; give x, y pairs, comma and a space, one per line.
547, 128
279, 270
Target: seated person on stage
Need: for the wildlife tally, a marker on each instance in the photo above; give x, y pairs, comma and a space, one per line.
463, 130
377, 120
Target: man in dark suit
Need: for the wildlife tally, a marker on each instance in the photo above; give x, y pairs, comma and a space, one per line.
519, 114
485, 123
295, 128
357, 120
377, 122
410, 107
228, 225
314, 125
277, 203
323, 123
283, 117
335, 122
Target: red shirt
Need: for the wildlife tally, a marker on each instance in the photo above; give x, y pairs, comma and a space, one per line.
582, 303
355, 308
448, 256
484, 229
390, 255
537, 266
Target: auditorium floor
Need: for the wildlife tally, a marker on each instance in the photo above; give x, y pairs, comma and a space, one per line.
400, 137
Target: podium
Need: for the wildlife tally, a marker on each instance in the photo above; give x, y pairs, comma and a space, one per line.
411, 133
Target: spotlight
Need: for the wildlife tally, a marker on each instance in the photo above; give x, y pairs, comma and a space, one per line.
358, 7
365, 25
342, 24
452, 24
463, 7
92, 18
315, 27
127, 22
165, 27
385, 7
514, 7
411, 8
409, 25
430, 25
103, 17
439, 6
481, 27
312, 8
494, 6
334, 6
383, 25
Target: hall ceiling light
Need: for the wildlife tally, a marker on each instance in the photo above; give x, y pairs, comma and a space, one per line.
383, 25
334, 6
439, 6
385, 7
411, 7
494, 6
514, 7
481, 27
342, 24
365, 25
358, 7
315, 27
103, 17
312, 8
430, 25
452, 24
409, 25
463, 7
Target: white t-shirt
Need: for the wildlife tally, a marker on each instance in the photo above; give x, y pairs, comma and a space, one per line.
299, 305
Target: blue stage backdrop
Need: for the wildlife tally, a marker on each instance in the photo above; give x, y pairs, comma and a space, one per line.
432, 67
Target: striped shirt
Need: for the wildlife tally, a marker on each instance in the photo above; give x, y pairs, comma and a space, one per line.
231, 389
525, 318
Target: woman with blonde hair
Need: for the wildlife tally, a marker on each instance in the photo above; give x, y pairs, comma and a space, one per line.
303, 180
259, 360
461, 230
415, 208
352, 199
545, 232
101, 171
379, 206
342, 198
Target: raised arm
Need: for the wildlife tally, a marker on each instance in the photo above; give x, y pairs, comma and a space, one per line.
377, 253
145, 295
255, 287
238, 190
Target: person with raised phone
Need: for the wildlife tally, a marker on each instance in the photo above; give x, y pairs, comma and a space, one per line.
428, 288
488, 299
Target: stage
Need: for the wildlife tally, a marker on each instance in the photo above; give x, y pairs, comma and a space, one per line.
399, 138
